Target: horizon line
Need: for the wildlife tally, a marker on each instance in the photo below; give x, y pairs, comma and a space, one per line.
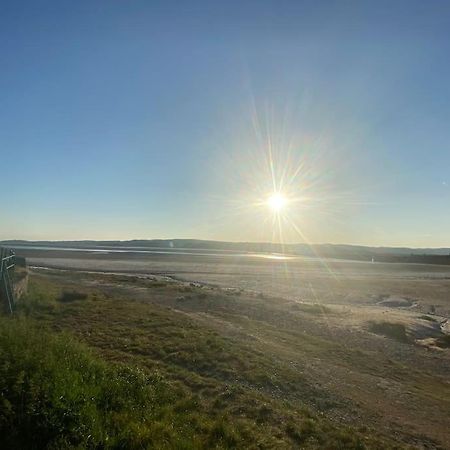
222, 241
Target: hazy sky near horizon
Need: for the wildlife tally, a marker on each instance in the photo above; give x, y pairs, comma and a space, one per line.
146, 119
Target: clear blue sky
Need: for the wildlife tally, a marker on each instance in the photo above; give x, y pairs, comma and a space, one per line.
146, 119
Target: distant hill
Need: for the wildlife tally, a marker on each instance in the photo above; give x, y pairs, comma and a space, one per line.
338, 251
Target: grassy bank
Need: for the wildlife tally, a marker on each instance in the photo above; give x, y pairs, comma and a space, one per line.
55, 393
86, 367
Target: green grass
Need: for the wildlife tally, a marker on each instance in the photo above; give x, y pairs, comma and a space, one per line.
112, 372
55, 393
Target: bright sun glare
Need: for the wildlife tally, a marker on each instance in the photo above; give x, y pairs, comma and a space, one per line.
277, 202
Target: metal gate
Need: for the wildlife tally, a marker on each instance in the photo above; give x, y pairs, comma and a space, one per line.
7, 263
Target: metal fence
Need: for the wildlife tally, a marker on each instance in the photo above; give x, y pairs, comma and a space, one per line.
7, 263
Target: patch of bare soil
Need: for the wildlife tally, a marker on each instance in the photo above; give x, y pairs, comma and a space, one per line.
396, 302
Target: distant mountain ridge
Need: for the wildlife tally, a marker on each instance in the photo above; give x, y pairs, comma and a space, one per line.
340, 251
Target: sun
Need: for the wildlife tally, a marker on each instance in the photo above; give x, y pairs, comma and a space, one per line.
277, 202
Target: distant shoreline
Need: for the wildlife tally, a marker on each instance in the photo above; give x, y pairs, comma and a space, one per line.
219, 249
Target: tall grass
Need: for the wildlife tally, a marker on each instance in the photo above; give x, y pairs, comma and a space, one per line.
55, 393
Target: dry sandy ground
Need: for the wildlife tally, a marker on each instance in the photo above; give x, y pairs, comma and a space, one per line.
424, 288
376, 291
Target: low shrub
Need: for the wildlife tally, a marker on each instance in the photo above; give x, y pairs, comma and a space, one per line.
396, 331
